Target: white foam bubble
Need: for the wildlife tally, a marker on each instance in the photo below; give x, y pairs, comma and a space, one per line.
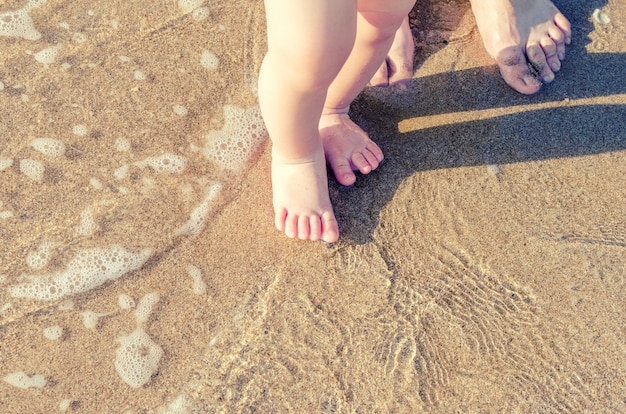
66, 65
91, 318
95, 183
48, 55
6, 214
122, 144
125, 301
145, 306
242, 133
201, 13
137, 358
53, 333
64, 25
80, 130
32, 169
199, 215
48, 146
178, 406
87, 226
66, 305
89, 269
1, 86
79, 37
5, 163
21, 380
199, 287
65, 404
167, 162
19, 24
189, 5
138, 75
180, 110
121, 172
209, 60
38, 259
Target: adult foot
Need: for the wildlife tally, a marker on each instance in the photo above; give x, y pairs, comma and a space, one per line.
397, 69
347, 147
527, 39
301, 203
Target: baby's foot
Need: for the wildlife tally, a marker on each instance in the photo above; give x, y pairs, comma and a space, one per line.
397, 69
519, 33
301, 203
347, 147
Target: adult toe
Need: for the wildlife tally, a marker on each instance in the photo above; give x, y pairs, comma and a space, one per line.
537, 59
550, 52
515, 72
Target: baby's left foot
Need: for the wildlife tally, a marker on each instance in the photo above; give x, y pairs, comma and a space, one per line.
347, 147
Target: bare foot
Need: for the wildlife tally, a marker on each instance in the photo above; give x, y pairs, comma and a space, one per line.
527, 39
398, 66
347, 147
301, 203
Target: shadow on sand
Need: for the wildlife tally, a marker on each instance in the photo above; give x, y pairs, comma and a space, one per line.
530, 135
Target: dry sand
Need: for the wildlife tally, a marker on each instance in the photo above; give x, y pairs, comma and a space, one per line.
481, 268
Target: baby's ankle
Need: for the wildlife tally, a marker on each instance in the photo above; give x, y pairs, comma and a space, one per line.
336, 111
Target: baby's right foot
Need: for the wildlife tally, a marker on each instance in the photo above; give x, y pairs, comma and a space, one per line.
347, 147
301, 203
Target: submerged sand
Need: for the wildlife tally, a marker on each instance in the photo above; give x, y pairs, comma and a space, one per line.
481, 268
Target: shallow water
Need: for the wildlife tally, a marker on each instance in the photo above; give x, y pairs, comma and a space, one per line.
480, 269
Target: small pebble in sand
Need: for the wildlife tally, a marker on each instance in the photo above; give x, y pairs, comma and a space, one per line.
601, 17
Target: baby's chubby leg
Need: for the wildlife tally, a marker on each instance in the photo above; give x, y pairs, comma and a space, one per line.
308, 43
347, 147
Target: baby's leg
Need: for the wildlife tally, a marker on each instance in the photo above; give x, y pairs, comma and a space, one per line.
397, 69
308, 42
522, 32
346, 146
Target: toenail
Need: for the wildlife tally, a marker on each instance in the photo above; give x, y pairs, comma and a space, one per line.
555, 66
561, 55
548, 78
530, 80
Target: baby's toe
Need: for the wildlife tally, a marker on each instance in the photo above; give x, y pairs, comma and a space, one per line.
303, 228
315, 227
291, 226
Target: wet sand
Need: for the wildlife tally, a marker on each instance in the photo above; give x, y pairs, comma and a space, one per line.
481, 268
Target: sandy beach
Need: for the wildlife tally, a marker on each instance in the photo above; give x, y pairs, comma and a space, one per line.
481, 267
